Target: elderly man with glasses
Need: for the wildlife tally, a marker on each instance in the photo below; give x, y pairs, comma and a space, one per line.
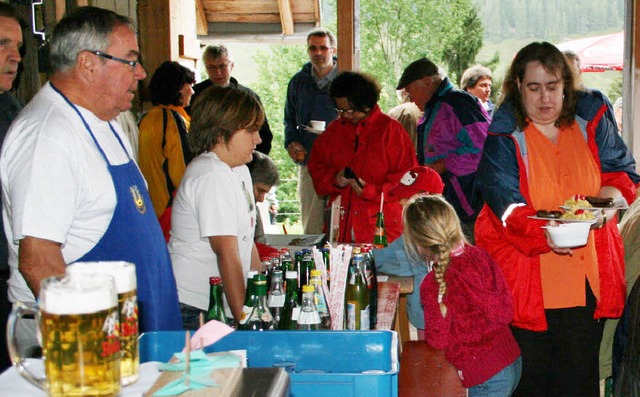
71, 190
308, 99
218, 62
450, 135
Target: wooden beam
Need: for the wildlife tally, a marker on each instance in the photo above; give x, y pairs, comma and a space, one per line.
154, 37
286, 16
346, 35
246, 18
243, 6
61, 7
202, 26
317, 13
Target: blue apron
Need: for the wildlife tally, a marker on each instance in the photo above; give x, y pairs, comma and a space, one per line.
134, 235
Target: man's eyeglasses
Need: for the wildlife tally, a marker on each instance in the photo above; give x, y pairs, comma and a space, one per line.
349, 111
322, 48
133, 64
220, 67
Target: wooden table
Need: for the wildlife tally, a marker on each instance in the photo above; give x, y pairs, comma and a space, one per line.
401, 318
392, 306
388, 298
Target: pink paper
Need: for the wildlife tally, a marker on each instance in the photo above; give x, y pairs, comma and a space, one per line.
209, 334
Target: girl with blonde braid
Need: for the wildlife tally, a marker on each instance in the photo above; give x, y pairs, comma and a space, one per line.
467, 305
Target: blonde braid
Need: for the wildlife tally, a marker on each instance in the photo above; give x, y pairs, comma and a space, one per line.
440, 267
432, 229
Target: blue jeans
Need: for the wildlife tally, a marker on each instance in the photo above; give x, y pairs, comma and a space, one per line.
191, 316
502, 384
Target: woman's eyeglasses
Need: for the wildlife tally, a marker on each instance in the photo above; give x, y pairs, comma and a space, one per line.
347, 111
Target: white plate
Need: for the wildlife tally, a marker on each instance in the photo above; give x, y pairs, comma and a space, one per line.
563, 220
308, 128
619, 203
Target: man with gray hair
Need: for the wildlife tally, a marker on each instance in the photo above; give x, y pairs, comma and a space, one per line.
477, 81
10, 56
71, 191
308, 99
218, 61
264, 176
450, 137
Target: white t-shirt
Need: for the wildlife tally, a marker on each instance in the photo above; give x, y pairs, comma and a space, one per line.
55, 181
212, 200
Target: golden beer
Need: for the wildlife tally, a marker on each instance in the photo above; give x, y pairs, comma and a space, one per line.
80, 329
130, 358
82, 353
124, 274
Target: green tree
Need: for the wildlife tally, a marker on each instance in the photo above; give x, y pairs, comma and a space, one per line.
276, 67
396, 32
464, 47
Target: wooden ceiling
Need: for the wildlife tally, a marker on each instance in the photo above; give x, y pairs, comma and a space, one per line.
256, 16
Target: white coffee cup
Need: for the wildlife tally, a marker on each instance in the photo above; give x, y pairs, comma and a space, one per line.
318, 125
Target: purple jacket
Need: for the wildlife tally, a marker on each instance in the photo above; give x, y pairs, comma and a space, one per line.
454, 128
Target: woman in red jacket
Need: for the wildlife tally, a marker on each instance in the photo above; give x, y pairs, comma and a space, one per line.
360, 156
548, 141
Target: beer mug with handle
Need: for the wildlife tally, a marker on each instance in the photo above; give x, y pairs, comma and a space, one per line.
79, 323
124, 274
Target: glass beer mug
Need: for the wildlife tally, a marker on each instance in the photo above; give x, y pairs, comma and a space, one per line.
78, 319
124, 274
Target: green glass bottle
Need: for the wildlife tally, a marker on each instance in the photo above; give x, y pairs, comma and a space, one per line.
357, 297
380, 237
260, 318
248, 299
286, 261
216, 305
291, 308
276, 295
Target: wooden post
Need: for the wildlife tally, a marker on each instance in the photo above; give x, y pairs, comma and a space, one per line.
348, 34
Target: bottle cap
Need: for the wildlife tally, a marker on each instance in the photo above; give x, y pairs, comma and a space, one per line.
316, 272
308, 288
215, 281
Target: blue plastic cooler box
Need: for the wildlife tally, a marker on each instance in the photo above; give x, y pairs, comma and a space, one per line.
324, 363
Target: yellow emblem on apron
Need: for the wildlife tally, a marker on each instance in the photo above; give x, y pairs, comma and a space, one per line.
138, 200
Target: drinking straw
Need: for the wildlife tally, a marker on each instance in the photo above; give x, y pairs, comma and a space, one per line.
187, 357
381, 200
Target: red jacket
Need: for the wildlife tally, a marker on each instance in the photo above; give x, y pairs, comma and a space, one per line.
475, 334
379, 151
517, 245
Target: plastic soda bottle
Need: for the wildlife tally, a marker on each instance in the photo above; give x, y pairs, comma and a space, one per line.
276, 295
309, 318
321, 300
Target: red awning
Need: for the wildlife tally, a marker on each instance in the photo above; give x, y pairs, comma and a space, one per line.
598, 53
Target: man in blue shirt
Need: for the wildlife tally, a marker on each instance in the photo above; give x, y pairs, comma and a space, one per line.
308, 99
